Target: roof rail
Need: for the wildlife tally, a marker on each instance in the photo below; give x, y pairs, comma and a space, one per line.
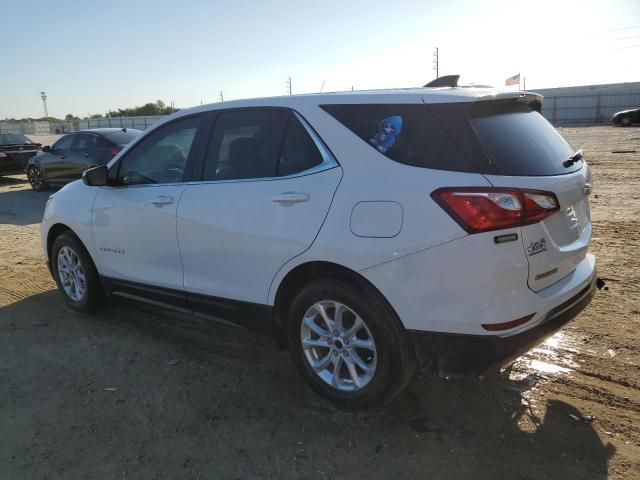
445, 81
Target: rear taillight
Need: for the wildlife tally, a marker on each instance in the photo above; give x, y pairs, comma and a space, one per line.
115, 150
479, 209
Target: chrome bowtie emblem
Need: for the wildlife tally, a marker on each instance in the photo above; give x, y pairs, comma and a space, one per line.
572, 216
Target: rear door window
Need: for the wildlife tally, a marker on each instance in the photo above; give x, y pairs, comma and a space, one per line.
427, 136
246, 144
299, 152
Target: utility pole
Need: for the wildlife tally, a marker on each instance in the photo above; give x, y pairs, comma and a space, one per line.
43, 96
220, 96
289, 85
435, 60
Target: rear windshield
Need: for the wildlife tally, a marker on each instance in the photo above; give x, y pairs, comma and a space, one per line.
488, 137
122, 138
13, 138
519, 141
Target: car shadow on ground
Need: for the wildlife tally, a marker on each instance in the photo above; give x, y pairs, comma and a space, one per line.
136, 389
19, 204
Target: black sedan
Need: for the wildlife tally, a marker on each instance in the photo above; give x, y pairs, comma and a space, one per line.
15, 152
626, 117
73, 153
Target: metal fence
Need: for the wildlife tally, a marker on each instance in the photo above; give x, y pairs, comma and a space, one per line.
43, 127
140, 123
588, 104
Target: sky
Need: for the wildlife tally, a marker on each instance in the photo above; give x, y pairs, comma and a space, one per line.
91, 57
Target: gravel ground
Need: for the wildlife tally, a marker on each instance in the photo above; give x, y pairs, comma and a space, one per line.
136, 392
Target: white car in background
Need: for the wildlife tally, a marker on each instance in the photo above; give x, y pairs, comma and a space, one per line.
372, 232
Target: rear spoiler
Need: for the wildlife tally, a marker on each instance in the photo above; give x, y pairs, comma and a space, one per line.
534, 100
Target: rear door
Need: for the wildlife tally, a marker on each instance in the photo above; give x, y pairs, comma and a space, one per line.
529, 153
266, 186
82, 153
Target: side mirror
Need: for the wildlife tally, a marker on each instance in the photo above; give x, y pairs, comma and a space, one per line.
46, 149
96, 176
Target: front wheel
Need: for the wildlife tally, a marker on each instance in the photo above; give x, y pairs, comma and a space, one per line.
75, 273
36, 179
349, 344
625, 121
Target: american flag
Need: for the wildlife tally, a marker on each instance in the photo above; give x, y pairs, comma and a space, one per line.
515, 80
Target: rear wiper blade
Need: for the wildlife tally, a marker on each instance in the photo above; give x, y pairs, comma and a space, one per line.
576, 157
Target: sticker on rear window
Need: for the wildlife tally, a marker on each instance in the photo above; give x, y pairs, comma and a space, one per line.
388, 129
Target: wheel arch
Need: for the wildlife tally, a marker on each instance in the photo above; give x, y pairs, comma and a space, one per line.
54, 232
302, 274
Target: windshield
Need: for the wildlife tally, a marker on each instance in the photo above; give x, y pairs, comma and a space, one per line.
519, 141
13, 138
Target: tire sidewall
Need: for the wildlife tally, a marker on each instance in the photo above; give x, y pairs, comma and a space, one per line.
92, 288
380, 389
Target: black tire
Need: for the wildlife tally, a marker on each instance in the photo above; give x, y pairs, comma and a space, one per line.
36, 179
625, 121
93, 291
395, 358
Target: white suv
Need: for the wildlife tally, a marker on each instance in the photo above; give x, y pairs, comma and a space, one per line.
371, 232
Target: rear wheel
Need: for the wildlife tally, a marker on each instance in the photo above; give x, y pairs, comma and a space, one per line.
625, 121
36, 179
349, 344
75, 273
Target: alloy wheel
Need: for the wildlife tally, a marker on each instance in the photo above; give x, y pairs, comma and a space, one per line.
35, 178
338, 346
71, 274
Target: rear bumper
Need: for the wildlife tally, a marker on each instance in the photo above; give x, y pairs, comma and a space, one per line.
443, 353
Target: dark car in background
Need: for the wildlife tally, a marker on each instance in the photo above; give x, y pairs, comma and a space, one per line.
75, 152
626, 118
15, 152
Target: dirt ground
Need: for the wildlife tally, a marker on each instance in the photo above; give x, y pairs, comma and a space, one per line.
135, 392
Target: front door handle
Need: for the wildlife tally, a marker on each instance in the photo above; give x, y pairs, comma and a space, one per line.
87, 155
291, 197
162, 200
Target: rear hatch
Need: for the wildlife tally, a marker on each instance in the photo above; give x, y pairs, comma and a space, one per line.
527, 152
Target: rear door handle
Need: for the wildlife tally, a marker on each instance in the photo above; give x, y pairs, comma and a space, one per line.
162, 200
291, 197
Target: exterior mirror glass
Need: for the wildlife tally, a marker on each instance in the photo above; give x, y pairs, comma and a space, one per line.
96, 176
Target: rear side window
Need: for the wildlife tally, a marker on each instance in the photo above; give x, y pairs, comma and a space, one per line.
428, 136
519, 141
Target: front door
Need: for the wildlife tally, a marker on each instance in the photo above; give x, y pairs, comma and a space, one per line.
134, 221
265, 191
54, 164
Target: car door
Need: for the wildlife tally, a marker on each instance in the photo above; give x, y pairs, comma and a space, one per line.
55, 163
134, 221
265, 190
81, 158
